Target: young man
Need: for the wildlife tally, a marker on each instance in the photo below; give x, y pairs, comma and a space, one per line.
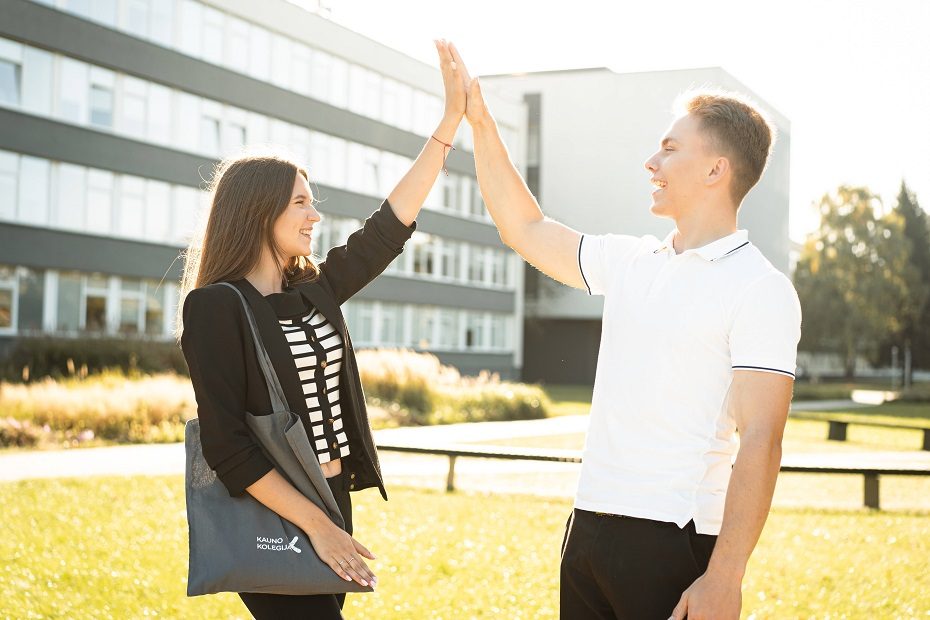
699, 340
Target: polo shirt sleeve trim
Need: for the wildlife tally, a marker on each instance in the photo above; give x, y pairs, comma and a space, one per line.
764, 369
580, 268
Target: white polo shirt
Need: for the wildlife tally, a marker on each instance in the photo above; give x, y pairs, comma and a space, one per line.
660, 443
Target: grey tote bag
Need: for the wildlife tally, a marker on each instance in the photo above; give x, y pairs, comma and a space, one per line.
237, 544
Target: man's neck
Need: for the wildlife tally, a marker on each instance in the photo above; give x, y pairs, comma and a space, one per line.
698, 229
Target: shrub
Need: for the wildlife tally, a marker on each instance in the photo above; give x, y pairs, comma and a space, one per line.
20, 433
417, 389
917, 393
34, 357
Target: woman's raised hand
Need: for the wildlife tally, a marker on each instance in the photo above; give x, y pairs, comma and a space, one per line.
455, 79
475, 109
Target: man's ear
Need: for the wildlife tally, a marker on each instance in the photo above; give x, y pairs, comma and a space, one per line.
718, 172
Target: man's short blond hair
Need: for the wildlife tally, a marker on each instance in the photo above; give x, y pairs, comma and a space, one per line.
736, 128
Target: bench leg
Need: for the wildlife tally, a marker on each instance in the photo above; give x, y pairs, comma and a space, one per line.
450, 477
926, 439
837, 431
871, 491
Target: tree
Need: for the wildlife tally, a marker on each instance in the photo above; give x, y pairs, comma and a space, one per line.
916, 331
854, 278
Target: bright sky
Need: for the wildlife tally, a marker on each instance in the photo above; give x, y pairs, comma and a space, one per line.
852, 76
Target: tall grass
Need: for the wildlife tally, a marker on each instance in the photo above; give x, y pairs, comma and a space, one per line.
412, 388
421, 390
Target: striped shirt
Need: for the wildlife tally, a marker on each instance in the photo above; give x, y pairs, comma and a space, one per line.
317, 349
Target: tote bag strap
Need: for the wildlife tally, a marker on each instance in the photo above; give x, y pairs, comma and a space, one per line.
275, 392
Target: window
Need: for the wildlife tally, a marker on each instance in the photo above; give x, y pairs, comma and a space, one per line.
499, 268
450, 191
10, 80
9, 178
211, 48
131, 306
209, 135
133, 100
237, 44
392, 325
422, 253
33, 190
372, 95
162, 23
186, 208
70, 195
476, 265
73, 90
500, 331
99, 201
280, 55
37, 81
475, 331
135, 17
338, 82
69, 301
321, 69
404, 118
30, 296
448, 258
476, 205
131, 206
157, 211
424, 320
365, 323
154, 308
95, 303
448, 329
190, 22
357, 89
101, 106
259, 53
300, 68
7, 299
158, 119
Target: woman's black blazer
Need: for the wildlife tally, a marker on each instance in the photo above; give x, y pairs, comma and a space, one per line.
228, 381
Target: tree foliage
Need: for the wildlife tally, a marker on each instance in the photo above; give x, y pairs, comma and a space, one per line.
854, 277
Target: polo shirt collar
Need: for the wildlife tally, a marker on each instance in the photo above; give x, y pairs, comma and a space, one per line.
713, 250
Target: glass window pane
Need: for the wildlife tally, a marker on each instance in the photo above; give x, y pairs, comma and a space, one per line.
157, 211
162, 23
99, 201
154, 308
31, 297
10, 75
212, 33
130, 285
69, 301
73, 90
37, 81
191, 19
95, 317
209, 135
70, 194
33, 190
6, 307
135, 17
101, 106
131, 206
9, 177
129, 315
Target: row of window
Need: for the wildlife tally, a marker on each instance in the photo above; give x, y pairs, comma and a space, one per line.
431, 256
36, 301
40, 192
383, 324
220, 38
46, 193
52, 85
71, 302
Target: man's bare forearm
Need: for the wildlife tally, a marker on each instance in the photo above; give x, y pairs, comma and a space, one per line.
749, 497
509, 201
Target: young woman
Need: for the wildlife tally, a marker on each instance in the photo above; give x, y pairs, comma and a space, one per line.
258, 238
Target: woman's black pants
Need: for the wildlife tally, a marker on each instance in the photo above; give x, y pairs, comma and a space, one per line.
619, 568
315, 607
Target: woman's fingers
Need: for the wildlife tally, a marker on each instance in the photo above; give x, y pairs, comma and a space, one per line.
362, 550
457, 59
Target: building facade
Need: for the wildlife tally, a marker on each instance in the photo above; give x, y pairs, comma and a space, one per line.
114, 112
589, 133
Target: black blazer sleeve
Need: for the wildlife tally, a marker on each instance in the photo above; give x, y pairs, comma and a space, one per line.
368, 252
213, 347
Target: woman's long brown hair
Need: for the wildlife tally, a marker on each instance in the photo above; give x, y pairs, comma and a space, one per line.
248, 193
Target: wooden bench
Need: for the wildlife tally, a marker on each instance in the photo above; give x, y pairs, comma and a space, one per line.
836, 431
839, 464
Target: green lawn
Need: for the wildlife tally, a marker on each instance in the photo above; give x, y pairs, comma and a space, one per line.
116, 548
569, 399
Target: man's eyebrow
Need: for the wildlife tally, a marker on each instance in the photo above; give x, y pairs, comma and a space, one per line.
667, 141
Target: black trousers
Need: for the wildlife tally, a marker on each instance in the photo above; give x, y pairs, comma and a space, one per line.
315, 607
620, 568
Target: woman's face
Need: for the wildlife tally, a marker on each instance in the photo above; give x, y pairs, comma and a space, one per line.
293, 228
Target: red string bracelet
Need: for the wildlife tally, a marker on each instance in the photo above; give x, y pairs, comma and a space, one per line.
444, 152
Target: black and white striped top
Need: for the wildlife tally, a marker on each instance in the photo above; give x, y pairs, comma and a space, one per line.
317, 349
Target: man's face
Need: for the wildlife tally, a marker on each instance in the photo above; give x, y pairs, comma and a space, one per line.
679, 168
